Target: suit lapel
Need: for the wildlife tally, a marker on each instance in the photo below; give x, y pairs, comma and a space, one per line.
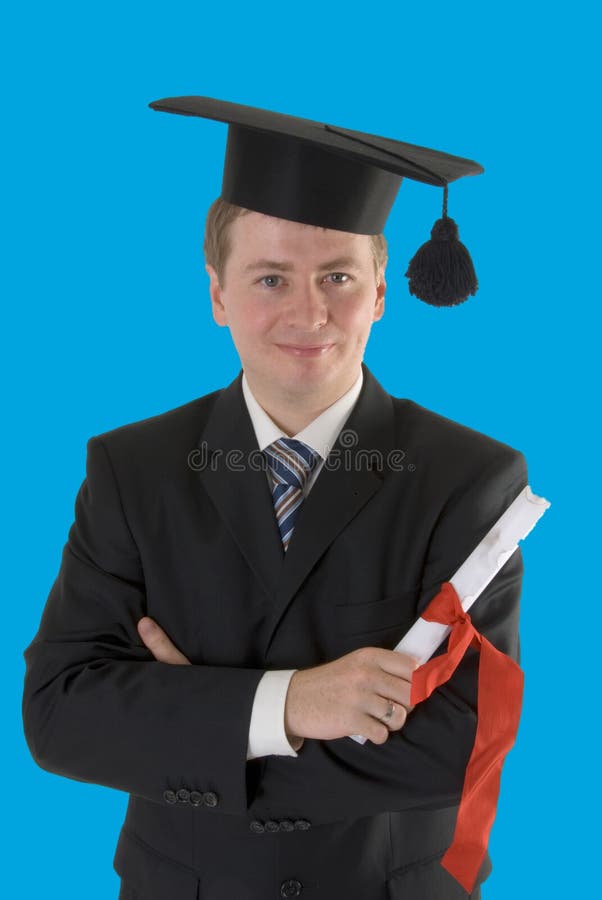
239, 491
353, 473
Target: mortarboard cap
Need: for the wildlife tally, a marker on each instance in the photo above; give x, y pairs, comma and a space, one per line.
319, 174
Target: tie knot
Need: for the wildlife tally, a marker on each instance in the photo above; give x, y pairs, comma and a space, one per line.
291, 461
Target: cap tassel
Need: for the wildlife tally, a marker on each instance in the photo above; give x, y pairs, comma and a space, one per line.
441, 271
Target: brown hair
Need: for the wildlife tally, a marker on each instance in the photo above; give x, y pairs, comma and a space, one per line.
216, 242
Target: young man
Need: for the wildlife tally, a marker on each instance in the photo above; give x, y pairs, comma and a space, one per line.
241, 567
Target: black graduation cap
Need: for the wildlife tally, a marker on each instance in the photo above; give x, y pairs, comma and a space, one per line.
325, 175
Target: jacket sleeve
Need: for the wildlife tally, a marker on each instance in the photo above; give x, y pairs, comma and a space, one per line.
423, 764
97, 707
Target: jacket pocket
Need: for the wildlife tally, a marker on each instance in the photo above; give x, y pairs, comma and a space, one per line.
428, 880
377, 615
147, 873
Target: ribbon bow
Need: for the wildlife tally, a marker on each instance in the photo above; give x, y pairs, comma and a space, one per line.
498, 711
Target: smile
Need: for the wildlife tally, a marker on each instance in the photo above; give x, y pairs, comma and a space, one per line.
318, 350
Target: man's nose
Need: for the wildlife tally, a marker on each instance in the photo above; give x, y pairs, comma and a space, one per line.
307, 307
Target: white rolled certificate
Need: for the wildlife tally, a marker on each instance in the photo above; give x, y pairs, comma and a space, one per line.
475, 573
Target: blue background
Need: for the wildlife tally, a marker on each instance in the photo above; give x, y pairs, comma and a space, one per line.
106, 320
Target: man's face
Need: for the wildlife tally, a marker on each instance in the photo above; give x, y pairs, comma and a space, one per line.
299, 301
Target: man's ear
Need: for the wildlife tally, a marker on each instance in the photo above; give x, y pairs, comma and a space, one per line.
379, 303
215, 292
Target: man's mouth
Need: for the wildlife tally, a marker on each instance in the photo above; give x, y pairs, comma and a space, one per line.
306, 349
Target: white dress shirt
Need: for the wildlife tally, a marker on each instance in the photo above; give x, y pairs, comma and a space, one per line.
266, 732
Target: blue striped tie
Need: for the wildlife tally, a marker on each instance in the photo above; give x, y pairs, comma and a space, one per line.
291, 463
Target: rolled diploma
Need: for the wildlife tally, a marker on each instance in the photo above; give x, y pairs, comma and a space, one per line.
476, 572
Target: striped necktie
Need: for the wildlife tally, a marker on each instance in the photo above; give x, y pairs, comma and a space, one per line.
291, 463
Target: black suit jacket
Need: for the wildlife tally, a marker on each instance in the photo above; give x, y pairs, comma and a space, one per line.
175, 520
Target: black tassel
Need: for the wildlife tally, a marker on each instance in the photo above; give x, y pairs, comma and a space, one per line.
441, 271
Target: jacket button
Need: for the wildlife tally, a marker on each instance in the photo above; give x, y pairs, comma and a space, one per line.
302, 824
286, 825
169, 797
291, 888
271, 825
210, 799
196, 798
257, 826
183, 795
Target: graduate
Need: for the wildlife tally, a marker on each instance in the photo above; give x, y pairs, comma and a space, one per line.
240, 568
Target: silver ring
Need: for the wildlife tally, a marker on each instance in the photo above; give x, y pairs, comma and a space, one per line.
390, 711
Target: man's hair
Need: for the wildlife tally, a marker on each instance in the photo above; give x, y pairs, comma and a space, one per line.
217, 246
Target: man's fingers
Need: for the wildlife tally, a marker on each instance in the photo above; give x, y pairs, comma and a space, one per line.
159, 644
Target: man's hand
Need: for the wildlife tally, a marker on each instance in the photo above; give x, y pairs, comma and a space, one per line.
351, 695
159, 644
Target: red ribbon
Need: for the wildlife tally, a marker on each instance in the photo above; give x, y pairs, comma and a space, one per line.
498, 711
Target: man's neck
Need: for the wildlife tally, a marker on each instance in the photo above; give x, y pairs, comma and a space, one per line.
292, 413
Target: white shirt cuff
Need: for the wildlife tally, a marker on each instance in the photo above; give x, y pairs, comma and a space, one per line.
266, 731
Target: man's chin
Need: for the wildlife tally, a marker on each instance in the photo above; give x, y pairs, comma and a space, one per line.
299, 384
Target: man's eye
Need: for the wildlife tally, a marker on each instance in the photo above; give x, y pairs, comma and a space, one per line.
269, 278
338, 276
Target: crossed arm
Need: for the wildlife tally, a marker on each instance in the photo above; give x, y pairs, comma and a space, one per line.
332, 700
95, 711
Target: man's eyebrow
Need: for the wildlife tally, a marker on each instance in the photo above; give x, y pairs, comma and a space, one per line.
347, 262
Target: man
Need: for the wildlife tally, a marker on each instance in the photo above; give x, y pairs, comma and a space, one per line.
279, 537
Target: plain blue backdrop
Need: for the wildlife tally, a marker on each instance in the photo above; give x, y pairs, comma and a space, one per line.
106, 320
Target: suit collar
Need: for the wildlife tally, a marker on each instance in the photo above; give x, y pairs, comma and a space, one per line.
233, 474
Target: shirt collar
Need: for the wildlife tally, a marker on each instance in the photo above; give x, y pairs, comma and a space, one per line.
320, 434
